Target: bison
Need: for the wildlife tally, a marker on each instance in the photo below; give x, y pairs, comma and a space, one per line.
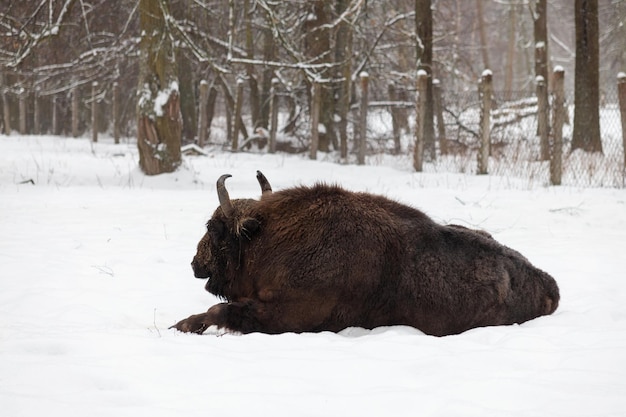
322, 258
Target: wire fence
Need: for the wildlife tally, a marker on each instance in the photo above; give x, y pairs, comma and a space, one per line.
515, 144
515, 149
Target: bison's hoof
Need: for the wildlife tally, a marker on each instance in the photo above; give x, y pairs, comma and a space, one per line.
193, 324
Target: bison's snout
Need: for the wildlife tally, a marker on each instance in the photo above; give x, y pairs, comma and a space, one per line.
199, 270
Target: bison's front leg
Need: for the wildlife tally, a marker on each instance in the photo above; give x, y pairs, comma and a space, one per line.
199, 323
242, 317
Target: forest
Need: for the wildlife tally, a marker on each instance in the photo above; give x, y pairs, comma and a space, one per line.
69, 67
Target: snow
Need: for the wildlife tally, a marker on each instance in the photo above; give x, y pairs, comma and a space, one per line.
163, 96
94, 268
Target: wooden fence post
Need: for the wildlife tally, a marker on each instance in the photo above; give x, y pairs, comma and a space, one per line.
441, 128
395, 123
420, 104
363, 117
273, 114
316, 98
237, 115
22, 109
202, 113
621, 91
543, 118
116, 112
94, 112
558, 119
485, 89
75, 115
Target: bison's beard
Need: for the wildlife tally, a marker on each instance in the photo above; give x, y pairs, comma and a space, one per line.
216, 287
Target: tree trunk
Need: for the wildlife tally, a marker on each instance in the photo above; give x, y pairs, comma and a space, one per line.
424, 32
586, 135
441, 128
482, 33
159, 121
274, 115
420, 114
510, 53
315, 118
237, 124
22, 106
343, 55
363, 118
202, 113
543, 118
94, 111
485, 92
255, 101
230, 108
317, 45
556, 163
621, 94
269, 49
395, 125
187, 99
541, 74
116, 112
75, 111
6, 113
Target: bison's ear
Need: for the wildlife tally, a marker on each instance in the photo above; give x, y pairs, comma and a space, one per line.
248, 227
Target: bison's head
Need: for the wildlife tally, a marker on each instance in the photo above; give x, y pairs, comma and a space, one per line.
219, 252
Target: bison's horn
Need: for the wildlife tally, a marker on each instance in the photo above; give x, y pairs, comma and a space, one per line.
266, 188
222, 194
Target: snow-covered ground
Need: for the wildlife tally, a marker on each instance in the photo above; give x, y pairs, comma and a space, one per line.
94, 268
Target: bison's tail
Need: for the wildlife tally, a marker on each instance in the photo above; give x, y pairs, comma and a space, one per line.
552, 295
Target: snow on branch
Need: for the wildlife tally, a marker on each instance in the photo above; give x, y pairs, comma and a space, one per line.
34, 39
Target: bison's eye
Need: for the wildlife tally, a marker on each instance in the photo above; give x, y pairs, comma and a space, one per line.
216, 230
250, 225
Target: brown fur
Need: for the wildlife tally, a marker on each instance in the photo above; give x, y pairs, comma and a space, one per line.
324, 258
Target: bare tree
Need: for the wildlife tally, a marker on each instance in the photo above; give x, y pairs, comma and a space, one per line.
539, 10
159, 122
510, 52
317, 45
330, 41
343, 55
484, 48
586, 134
424, 47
